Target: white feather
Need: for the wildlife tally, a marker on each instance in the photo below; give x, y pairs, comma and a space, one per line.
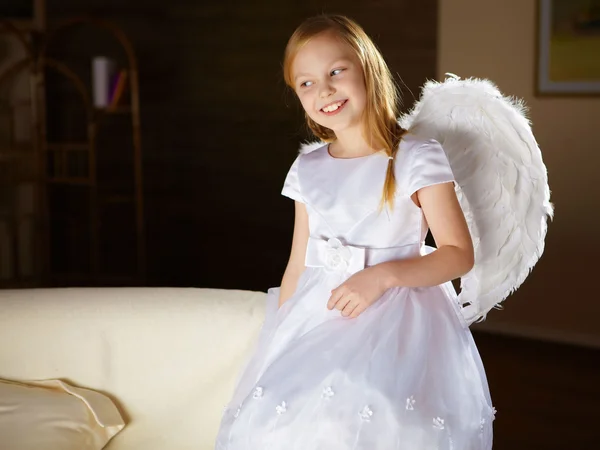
308, 147
502, 182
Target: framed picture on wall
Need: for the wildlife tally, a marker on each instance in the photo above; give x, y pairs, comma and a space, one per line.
568, 50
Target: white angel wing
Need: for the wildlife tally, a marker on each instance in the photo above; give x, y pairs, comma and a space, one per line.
502, 182
308, 147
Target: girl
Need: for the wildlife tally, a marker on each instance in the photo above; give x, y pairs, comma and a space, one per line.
363, 346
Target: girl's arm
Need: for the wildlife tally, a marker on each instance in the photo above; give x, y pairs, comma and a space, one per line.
295, 265
454, 256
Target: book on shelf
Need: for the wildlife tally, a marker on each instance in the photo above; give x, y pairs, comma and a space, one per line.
118, 88
103, 70
108, 83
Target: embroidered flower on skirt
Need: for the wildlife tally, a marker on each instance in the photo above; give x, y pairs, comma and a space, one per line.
258, 392
366, 414
281, 408
327, 393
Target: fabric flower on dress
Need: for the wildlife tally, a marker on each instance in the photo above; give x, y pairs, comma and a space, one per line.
366, 414
258, 392
410, 403
281, 408
337, 256
327, 393
438, 423
483, 421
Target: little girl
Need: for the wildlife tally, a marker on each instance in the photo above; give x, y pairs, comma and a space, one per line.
364, 346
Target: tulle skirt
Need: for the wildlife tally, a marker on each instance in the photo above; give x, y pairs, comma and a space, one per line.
404, 375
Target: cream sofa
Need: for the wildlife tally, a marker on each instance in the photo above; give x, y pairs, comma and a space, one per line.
168, 357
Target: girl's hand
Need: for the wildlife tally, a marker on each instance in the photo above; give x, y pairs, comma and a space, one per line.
357, 293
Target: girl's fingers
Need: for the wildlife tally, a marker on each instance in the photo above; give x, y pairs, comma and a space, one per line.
349, 308
357, 311
336, 295
343, 302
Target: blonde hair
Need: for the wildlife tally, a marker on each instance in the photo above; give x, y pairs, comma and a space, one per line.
381, 110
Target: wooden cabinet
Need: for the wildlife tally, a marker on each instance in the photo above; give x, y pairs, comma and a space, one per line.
71, 191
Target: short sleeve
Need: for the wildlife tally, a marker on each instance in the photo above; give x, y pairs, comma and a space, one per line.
429, 166
291, 186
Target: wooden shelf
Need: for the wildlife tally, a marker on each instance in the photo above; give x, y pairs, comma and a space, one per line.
125, 109
92, 164
68, 146
115, 199
18, 166
70, 181
17, 150
25, 25
21, 162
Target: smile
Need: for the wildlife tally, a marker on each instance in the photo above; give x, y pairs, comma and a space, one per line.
334, 108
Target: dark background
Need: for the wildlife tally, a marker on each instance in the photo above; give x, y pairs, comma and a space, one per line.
219, 127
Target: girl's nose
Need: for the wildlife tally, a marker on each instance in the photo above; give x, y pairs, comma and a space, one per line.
326, 90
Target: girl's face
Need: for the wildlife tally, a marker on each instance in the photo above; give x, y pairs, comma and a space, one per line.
329, 82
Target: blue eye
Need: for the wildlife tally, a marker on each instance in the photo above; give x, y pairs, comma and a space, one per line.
334, 72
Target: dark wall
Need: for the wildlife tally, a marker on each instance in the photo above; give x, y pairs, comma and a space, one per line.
219, 129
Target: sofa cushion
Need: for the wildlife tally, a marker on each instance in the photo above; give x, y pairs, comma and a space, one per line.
53, 415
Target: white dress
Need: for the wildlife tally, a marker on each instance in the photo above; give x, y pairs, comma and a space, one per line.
405, 374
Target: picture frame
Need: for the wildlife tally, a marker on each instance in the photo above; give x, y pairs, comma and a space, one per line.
568, 48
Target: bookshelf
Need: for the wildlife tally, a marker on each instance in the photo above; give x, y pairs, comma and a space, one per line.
85, 161
21, 239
